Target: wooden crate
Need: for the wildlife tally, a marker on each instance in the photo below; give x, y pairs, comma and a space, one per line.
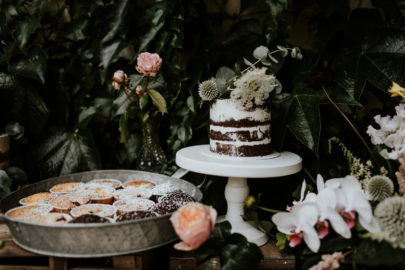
13, 257
273, 259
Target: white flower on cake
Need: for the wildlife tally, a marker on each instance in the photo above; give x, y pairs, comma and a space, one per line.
253, 87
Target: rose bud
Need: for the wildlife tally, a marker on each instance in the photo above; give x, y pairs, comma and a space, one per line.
119, 76
193, 224
148, 64
116, 86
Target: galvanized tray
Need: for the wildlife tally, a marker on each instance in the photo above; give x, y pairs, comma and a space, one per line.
93, 240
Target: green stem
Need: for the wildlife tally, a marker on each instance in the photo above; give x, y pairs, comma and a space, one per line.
268, 209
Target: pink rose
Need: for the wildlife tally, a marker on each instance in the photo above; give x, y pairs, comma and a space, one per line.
148, 64
193, 224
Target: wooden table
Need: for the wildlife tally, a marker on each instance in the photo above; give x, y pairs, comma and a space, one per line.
13, 257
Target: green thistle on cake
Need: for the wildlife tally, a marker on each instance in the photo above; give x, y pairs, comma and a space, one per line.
379, 187
208, 90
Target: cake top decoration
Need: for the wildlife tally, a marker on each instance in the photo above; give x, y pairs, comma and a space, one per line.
252, 86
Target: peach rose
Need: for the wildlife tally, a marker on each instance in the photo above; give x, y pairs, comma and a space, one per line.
193, 224
148, 64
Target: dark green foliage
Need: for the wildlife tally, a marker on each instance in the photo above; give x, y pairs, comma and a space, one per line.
233, 250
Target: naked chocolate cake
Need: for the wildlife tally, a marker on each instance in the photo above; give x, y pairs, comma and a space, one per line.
235, 131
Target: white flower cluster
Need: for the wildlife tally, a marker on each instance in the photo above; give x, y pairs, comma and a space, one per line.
337, 203
253, 87
391, 133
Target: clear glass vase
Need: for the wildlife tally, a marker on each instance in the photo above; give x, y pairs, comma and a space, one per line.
151, 156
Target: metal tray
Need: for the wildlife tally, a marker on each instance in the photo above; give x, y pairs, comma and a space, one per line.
93, 240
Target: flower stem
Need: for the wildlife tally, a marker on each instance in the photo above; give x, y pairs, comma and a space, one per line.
268, 209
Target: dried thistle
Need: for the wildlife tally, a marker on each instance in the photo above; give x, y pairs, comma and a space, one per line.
379, 187
208, 90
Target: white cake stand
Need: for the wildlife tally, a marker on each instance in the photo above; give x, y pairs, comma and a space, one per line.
199, 159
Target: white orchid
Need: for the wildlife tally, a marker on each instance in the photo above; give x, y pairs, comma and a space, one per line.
326, 202
300, 221
351, 199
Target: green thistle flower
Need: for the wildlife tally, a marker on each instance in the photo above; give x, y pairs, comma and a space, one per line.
208, 90
379, 187
391, 215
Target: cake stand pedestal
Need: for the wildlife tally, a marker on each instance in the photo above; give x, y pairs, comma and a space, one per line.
199, 159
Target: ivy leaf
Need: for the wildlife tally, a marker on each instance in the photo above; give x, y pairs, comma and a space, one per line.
22, 30
304, 118
158, 100
33, 67
238, 253
379, 254
63, 152
36, 111
115, 24
110, 51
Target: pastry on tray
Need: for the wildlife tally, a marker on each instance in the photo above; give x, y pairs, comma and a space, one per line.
139, 184
134, 215
89, 218
98, 193
29, 211
66, 187
114, 183
132, 192
51, 218
135, 204
41, 197
65, 202
102, 210
171, 202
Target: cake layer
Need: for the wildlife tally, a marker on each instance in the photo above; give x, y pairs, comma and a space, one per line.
238, 132
242, 150
257, 133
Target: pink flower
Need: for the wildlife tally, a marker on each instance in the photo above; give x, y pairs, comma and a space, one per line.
322, 228
193, 224
295, 239
329, 262
119, 78
148, 64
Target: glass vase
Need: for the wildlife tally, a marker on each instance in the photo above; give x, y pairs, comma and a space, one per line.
151, 156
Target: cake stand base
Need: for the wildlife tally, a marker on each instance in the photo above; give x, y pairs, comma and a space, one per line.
236, 191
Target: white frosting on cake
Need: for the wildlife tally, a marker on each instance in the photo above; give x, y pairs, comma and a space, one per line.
237, 132
223, 108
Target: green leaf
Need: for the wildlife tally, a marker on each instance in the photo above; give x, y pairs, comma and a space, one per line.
304, 119
117, 21
22, 30
36, 111
238, 253
6, 80
143, 101
158, 100
190, 103
5, 180
266, 226
110, 51
379, 254
221, 78
281, 240
123, 126
277, 6
62, 152
32, 67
